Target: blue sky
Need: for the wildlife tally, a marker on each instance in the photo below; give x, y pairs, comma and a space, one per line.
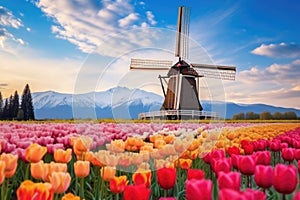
80, 45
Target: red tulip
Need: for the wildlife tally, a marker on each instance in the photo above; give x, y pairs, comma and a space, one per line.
195, 174
230, 180
166, 177
217, 154
229, 194
285, 178
198, 189
233, 150
235, 161
254, 194
287, 154
297, 154
263, 176
259, 145
118, 184
248, 149
222, 164
297, 196
206, 158
284, 145
275, 145
246, 165
299, 166
136, 192
262, 157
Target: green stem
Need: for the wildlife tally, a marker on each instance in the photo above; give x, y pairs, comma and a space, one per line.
3, 189
26, 176
98, 186
82, 188
117, 196
76, 185
56, 196
165, 193
102, 188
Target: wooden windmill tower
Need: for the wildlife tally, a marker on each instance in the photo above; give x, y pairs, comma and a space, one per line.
182, 93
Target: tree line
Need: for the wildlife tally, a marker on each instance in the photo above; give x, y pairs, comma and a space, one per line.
11, 108
266, 115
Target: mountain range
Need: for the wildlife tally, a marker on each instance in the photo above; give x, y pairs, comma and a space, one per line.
122, 102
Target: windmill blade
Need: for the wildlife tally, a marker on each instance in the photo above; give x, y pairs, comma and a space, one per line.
182, 38
146, 64
215, 71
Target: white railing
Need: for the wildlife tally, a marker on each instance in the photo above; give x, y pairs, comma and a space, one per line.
192, 114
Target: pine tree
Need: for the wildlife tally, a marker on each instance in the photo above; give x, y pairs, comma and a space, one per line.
15, 105
10, 107
5, 112
1, 106
26, 104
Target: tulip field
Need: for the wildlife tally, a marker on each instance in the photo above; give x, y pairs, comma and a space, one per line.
141, 161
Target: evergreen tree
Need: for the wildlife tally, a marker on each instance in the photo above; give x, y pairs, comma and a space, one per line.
26, 104
10, 107
1, 105
5, 112
15, 105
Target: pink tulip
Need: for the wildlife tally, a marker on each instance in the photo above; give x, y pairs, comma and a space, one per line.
287, 154
230, 180
263, 176
285, 178
198, 189
246, 165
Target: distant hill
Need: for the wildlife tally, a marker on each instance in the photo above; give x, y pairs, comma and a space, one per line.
121, 102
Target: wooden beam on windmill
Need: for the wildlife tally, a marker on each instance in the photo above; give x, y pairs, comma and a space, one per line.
182, 36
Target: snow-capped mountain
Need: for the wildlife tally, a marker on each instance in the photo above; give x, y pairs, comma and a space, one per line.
104, 104
121, 102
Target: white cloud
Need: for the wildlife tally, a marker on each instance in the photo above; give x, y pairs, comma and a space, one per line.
94, 22
281, 50
150, 17
8, 19
277, 84
129, 19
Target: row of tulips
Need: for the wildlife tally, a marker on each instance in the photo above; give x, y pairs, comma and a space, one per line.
164, 165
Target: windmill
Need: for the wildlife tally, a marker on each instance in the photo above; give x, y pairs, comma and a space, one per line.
183, 79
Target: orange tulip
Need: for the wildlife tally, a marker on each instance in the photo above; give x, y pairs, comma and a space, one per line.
118, 184
37, 170
11, 162
70, 196
2, 170
35, 152
62, 156
108, 173
91, 157
82, 145
43, 191
185, 163
58, 167
31, 190
82, 168
60, 181
136, 158
142, 177
117, 146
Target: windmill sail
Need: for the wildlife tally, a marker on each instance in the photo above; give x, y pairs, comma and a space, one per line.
146, 64
215, 71
182, 38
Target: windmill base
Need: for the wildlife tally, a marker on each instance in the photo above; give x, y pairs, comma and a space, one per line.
179, 115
